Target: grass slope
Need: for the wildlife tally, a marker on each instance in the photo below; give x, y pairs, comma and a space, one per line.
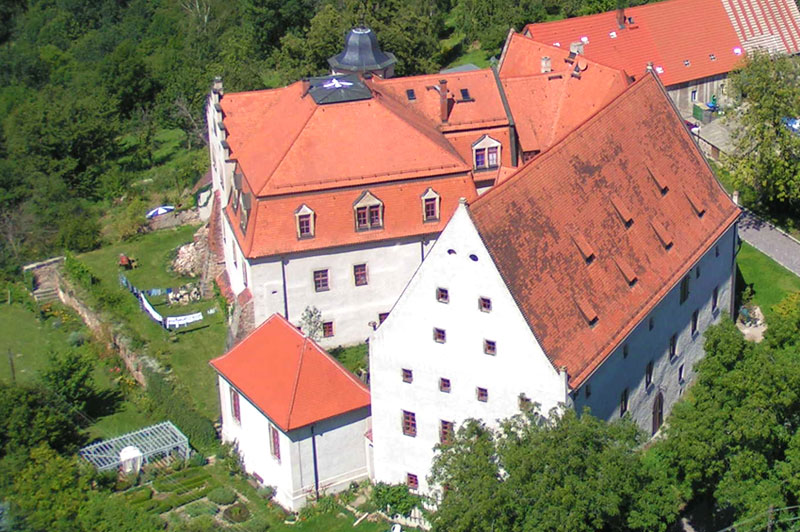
771, 281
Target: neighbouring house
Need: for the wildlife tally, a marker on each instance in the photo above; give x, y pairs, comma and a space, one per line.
332, 190
297, 417
586, 279
692, 44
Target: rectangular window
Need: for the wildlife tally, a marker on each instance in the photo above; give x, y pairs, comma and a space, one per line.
360, 274
485, 304
685, 289
673, 346
695, 315
651, 323
375, 216
490, 347
716, 251
697, 272
321, 281
714, 298
409, 423
361, 218
480, 158
430, 210
444, 385
442, 295
327, 329
648, 374
446, 431
623, 403
304, 225
588, 391
492, 157
482, 394
408, 375
382, 317
412, 481
439, 335
694, 96
235, 406
275, 443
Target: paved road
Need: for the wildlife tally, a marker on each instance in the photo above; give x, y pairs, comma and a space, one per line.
766, 238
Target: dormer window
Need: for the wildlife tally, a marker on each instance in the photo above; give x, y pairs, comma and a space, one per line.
486, 153
304, 218
430, 206
245, 200
368, 212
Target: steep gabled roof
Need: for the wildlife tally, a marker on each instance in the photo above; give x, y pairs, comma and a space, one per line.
573, 201
290, 378
284, 142
546, 106
668, 34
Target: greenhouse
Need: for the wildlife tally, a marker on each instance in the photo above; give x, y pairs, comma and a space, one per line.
131, 450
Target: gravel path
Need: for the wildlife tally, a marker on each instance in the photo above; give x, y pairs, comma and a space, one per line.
771, 241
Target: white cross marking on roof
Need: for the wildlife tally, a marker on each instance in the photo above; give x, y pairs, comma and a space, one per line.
336, 84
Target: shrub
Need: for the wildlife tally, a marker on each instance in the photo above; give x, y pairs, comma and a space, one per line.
222, 495
238, 513
174, 407
197, 460
266, 492
396, 497
196, 509
258, 524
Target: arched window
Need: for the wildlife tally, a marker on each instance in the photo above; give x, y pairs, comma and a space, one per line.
368, 212
304, 221
486, 153
430, 206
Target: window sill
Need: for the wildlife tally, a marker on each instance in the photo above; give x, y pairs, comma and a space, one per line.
318, 290
410, 435
305, 237
486, 169
366, 229
430, 220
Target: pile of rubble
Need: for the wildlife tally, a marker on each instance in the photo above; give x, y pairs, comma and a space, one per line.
184, 295
190, 257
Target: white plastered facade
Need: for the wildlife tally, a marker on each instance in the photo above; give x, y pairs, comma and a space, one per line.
337, 453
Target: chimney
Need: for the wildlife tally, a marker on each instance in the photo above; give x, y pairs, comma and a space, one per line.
216, 86
306, 87
443, 110
621, 18
546, 65
649, 67
576, 47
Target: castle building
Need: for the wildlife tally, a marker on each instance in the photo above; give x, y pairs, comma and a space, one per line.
584, 280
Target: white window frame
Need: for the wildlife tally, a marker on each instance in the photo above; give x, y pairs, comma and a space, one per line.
305, 210
431, 194
482, 145
365, 201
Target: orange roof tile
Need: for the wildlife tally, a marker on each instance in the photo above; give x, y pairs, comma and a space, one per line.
546, 106
284, 142
666, 33
272, 225
611, 154
290, 378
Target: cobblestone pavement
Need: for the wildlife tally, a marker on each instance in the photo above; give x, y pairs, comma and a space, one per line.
771, 241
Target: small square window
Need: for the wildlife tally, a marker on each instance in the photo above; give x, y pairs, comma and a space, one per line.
482, 394
275, 443
491, 154
673, 346
375, 216
623, 402
439, 335
695, 316
444, 385
321, 281
490, 347
442, 295
714, 298
408, 375
480, 158
361, 218
412, 481
648, 374
446, 431
485, 304
409, 423
360, 274
327, 329
382, 317
411, 95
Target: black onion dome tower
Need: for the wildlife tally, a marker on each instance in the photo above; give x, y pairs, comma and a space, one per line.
363, 55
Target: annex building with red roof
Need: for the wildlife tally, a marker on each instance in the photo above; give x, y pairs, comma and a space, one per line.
585, 279
333, 189
298, 418
691, 44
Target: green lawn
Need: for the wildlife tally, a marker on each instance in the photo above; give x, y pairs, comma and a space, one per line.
188, 351
771, 281
28, 340
353, 357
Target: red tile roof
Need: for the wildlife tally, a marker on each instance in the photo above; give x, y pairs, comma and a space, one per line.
272, 225
567, 191
547, 106
774, 24
289, 378
284, 142
666, 33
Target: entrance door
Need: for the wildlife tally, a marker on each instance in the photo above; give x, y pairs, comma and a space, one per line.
658, 412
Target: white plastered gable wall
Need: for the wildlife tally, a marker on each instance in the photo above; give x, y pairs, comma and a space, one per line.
405, 341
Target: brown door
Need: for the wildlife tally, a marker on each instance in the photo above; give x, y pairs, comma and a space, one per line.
658, 412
